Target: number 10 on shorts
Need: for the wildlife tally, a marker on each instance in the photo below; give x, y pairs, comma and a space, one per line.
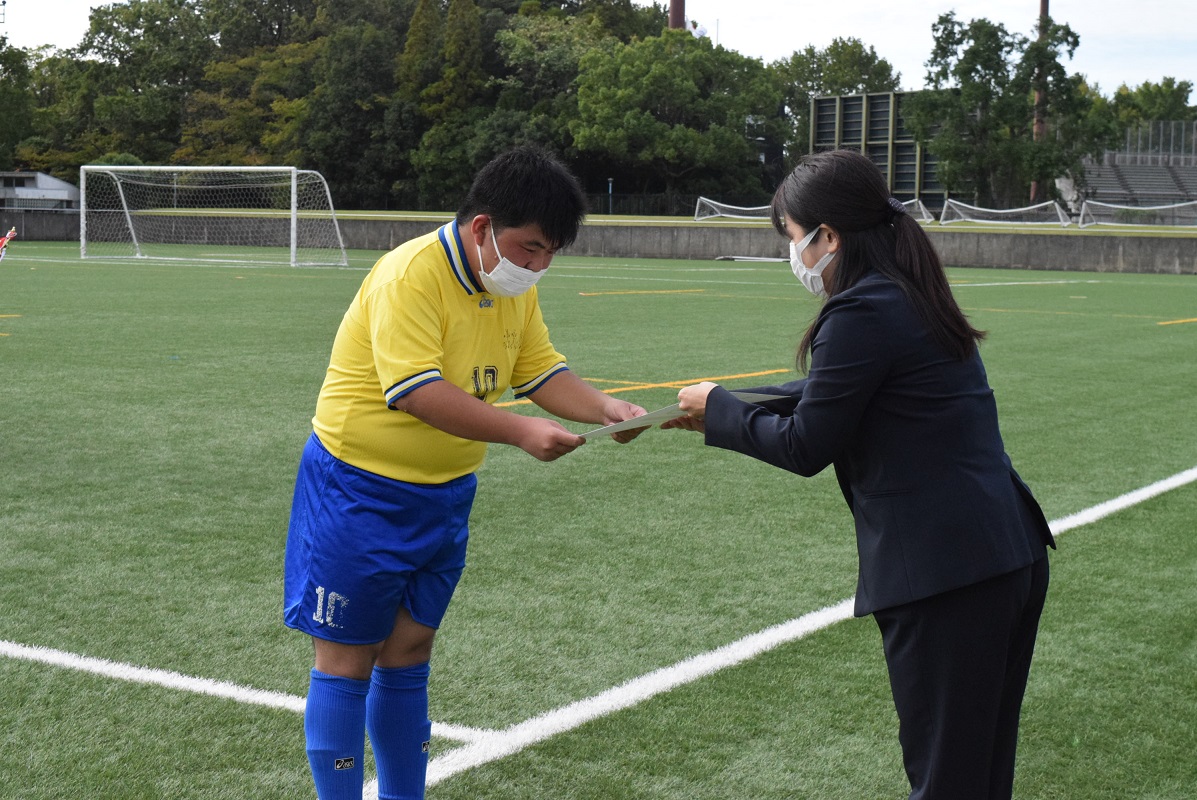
326, 614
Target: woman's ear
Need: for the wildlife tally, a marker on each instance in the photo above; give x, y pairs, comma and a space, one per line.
833, 238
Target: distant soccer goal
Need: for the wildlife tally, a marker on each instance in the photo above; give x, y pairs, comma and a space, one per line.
1049, 213
916, 209
252, 215
708, 209
1096, 213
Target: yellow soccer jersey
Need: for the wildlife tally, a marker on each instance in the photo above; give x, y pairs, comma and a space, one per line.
420, 316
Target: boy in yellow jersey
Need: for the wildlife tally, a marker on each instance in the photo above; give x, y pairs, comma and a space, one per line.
440, 328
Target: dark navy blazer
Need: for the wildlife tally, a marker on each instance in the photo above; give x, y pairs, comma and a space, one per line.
913, 434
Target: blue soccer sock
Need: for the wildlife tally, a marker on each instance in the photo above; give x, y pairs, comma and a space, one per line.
335, 725
397, 719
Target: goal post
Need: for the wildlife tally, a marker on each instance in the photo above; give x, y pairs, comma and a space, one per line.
1049, 213
1094, 212
707, 208
250, 215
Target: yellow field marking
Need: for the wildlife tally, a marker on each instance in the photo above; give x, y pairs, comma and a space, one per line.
9, 316
646, 291
1064, 313
1177, 321
669, 385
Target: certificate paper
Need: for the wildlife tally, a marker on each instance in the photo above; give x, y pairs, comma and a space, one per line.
667, 413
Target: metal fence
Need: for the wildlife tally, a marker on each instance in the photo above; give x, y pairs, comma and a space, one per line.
1158, 143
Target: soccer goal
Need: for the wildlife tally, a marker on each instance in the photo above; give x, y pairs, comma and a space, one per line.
709, 209
1049, 213
248, 215
1097, 213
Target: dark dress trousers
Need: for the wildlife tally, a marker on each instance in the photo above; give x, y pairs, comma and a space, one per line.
951, 542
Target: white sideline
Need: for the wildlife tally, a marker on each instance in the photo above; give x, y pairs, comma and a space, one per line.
187, 683
516, 738
484, 746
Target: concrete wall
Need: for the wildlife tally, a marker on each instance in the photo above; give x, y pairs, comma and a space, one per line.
1088, 251
44, 226
1093, 250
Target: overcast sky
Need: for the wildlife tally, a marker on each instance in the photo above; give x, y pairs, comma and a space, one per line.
1122, 41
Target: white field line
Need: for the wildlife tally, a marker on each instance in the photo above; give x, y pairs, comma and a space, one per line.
514, 739
484, 746
187, 683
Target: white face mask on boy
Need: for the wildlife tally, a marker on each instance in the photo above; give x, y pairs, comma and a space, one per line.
507, 279
812, 277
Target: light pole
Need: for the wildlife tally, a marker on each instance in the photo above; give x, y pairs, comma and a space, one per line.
1039, 124
677, 14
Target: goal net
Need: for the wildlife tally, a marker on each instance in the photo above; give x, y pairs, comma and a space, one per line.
1049, 213
253, 215
708, 209
916, 209
1097, 213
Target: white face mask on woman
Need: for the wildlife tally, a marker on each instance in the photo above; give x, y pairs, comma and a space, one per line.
812, 277
506, 279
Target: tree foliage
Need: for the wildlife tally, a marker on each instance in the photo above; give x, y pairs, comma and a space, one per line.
1166, 100
16, 100
846, 66
399, 102
676, 109
978, 115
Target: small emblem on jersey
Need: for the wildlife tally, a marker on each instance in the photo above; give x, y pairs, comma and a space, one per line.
343, 763
486, 302
424, 748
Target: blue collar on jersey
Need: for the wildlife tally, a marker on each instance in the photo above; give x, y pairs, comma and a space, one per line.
450, 238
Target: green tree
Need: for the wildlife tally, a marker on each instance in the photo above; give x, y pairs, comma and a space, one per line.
846, 66
344, 116
542, 54
242, 26
621, 18
1167, 100
677, 111
63, 133
146, 56
977, 117
419, 64
462, 82
245, 111
455, 104
16, 101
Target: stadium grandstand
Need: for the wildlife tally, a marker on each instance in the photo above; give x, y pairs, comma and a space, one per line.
1156, 166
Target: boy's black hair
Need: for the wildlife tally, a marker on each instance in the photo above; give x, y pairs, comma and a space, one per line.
523, 186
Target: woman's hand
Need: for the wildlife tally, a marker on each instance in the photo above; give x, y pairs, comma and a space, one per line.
693, 400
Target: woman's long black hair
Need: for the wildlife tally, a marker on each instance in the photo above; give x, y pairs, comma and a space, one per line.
845, 191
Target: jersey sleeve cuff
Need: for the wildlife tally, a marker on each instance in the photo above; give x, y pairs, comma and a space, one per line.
407, 385
525, 389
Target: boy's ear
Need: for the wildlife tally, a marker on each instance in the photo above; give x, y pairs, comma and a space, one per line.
478, 226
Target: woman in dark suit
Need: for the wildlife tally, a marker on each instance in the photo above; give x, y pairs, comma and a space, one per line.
951, 543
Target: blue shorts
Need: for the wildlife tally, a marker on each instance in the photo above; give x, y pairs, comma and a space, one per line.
360, 546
